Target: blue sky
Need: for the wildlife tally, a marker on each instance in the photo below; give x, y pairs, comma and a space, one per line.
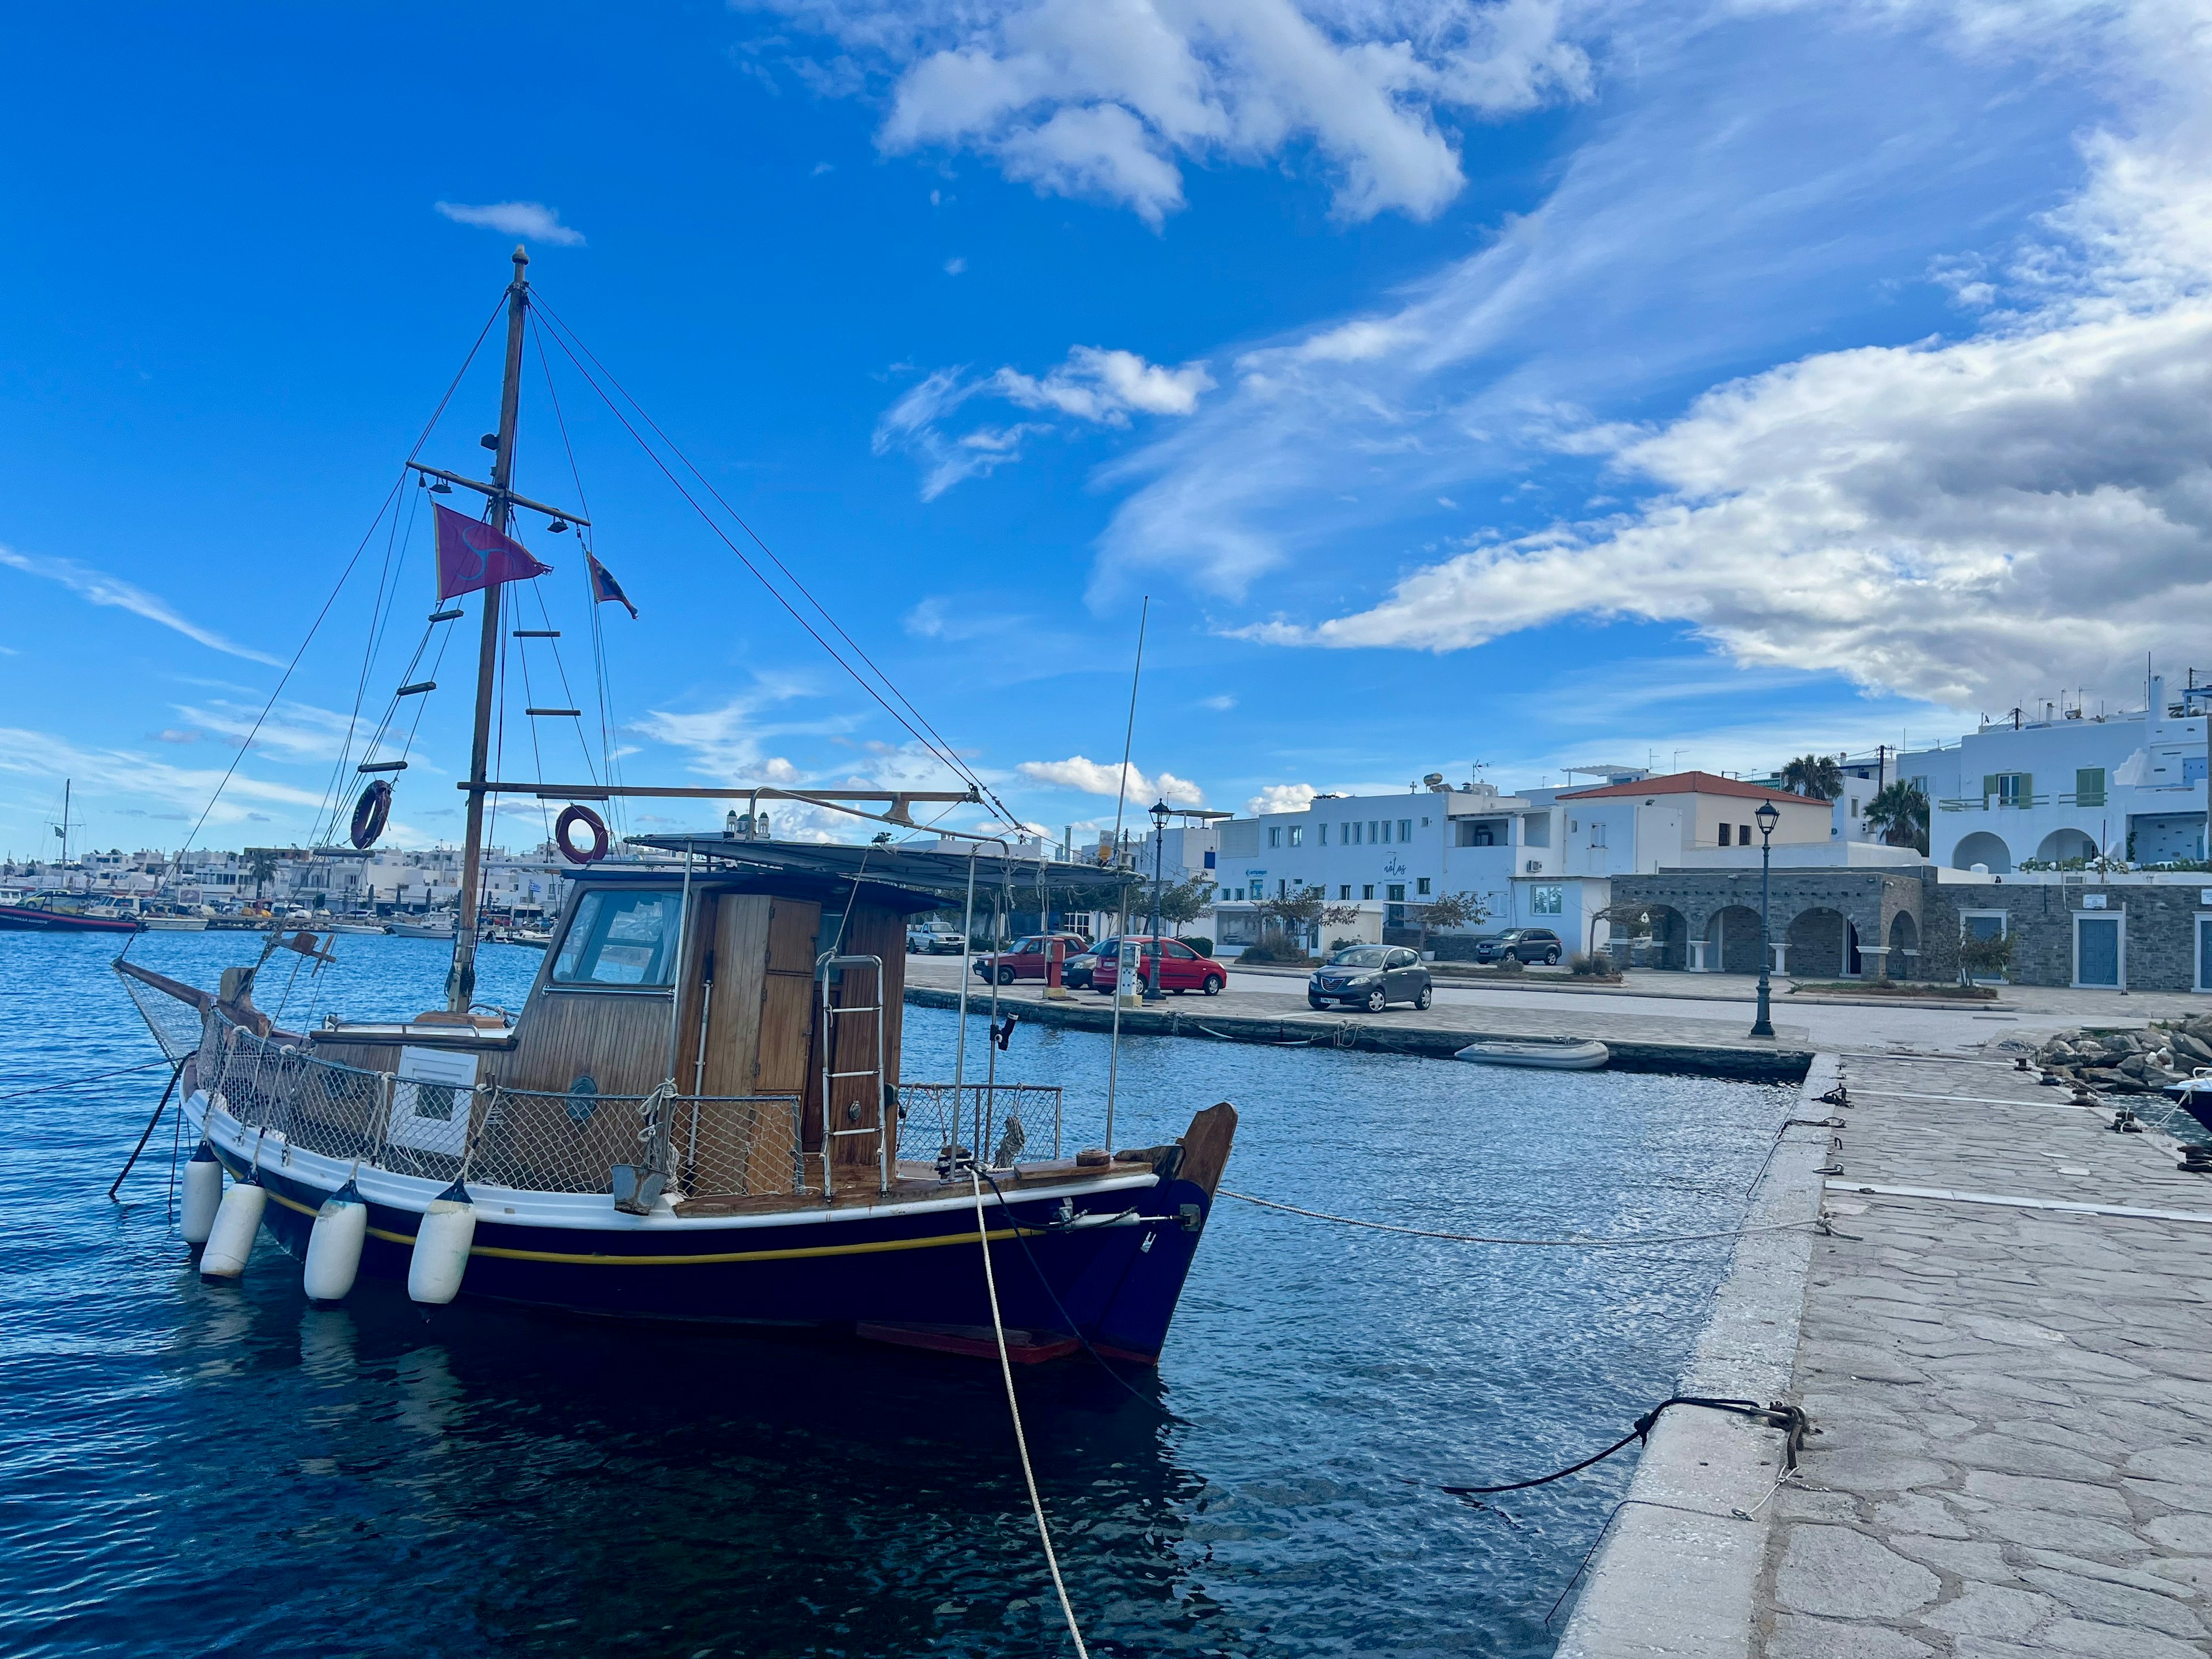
1525, 385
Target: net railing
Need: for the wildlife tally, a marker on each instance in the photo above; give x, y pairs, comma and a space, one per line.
177, 1025
526, 1140
1008, 1123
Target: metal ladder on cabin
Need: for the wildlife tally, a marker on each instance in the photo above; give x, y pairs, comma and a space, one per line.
828, 967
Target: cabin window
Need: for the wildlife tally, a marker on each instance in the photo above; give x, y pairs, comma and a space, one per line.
621, 939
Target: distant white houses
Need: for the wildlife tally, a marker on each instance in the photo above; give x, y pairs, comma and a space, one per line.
2129, 786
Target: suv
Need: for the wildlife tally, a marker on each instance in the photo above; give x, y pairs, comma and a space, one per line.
923, 939
1028, 959
1370, 976
1525, 944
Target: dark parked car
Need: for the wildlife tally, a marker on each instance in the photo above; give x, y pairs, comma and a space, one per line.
1370, 976
1028, 958
1076, 972
1525, 943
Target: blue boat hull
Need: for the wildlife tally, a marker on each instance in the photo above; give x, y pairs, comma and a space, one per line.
916, 1276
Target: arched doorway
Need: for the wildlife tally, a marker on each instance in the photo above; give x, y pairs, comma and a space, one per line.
1823, 944
1732, 941
1985, 848
2061, 845
1904, 947
1659, 938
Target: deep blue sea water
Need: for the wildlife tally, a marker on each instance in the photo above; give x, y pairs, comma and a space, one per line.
186, 1469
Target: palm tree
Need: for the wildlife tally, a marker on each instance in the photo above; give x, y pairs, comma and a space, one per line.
1899, 815
1815, 776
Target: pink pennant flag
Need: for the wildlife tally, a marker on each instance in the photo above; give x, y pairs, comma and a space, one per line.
471, 556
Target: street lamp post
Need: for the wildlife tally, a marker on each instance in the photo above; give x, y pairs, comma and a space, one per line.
1768, 817
1160, 810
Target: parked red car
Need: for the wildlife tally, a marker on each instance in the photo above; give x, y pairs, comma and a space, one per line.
1182, 968
1028, 958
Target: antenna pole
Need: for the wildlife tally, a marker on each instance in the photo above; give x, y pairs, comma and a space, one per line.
461, 982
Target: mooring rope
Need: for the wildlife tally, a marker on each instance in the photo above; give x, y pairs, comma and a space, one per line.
95, 1077
1790, 1419
1014, 1407
1574, 1243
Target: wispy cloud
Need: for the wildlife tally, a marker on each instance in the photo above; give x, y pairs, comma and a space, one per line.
126, 774
1082, 101
98, 587
1093, 384
531, 220
1090, 777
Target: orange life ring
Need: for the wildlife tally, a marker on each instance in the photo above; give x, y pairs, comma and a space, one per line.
572, 816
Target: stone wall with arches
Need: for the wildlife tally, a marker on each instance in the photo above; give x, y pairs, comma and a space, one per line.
1826, 917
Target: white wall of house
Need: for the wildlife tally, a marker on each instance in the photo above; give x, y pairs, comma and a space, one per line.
2068, 788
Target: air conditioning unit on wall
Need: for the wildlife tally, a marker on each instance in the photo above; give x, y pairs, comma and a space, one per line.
1535, 867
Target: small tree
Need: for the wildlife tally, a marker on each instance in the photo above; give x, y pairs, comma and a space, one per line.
1305, 912
1984, 956
1451, 910
261, 865
1899, 815
1186, 902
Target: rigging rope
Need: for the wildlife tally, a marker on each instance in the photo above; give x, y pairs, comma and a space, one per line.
934, 744
1570, 1242
1014, 1407
94, 1076
422, 438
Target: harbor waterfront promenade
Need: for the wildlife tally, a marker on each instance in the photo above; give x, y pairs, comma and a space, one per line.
1992, 1306
2003, 1344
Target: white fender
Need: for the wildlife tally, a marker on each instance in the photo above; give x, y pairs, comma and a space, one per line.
441, 1247
230, 1240
334, 1246
203, 1195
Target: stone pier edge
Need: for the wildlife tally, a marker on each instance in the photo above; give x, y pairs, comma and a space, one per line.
1751, 1062
1678, 1572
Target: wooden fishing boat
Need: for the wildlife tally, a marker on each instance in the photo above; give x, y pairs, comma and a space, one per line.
1543, 1053
701, 1110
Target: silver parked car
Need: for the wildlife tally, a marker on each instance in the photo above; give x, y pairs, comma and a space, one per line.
1370, 976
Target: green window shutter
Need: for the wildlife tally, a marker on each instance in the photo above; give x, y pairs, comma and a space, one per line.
2089, 786
1989, 787
2027, 789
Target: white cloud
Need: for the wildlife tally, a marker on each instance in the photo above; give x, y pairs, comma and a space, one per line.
98, 587
1281, 797
954, 267
2026, 502
122, 774
1110, 99
1963, 521
532, 220
1093, 384
1091, 777
1221, 702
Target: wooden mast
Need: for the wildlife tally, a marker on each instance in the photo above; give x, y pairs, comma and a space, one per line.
461, 982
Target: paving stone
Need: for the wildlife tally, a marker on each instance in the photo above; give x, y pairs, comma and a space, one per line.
2115, 1604
2173, 1495
1962, 1557
1840, 1572
1873, 1471
2044, 1529
1990, 1610
1798, 1636
2105, 1573
2081, 1636
2191, 1463
1917, 1513
2009, 1455
2178, 1531
2194, 1570
2060, 1497
1799, 1504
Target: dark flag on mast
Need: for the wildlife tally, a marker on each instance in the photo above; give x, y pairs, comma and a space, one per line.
472, 555
605, 588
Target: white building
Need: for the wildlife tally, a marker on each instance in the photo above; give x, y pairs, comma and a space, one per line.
2129, 786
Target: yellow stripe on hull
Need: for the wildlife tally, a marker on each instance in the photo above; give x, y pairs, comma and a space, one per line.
607, 1260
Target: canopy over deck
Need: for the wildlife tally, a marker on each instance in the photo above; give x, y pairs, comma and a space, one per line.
893, 876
